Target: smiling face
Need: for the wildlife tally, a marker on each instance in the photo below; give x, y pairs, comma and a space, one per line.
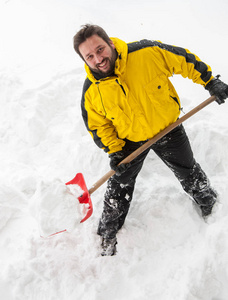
98, 55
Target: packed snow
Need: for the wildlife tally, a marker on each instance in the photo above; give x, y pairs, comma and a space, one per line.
165, 250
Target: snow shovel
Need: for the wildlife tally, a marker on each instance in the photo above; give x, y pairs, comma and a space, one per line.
79, 179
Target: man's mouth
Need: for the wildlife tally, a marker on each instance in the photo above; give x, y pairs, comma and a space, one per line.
103, 64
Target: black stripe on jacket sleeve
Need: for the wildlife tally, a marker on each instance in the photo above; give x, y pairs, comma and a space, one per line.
96, 138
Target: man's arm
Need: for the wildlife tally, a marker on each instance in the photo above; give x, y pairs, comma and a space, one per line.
182, 61
101, 129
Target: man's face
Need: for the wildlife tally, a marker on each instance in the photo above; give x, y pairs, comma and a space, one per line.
98, 55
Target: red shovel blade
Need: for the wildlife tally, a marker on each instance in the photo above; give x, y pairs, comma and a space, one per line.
85, 197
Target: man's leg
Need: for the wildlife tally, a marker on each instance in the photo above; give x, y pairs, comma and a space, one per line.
175, 150
117, 200
116, 205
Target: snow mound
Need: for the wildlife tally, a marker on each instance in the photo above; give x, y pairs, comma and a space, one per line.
55, 207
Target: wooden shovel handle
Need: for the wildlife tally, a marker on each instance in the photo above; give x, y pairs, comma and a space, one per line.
150, 142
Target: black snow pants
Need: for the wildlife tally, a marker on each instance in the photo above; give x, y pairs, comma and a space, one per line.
175, 151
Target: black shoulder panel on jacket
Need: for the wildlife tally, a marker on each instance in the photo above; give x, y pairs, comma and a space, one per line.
189, 57
140, 45
96, 138
86, 86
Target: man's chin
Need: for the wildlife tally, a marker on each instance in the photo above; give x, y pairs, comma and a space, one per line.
102, 74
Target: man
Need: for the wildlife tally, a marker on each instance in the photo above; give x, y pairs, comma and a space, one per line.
127, 99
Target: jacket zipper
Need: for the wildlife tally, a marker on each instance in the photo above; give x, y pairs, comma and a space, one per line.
175, 99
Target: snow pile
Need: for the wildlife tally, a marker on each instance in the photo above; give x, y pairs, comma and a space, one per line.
165, 250
56, 208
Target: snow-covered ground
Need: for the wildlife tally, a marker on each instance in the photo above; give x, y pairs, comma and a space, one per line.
165, 250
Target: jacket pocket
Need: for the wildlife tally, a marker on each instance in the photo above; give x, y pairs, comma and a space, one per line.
158, 89
119, 119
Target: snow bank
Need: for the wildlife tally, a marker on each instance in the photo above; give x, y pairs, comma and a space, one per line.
165, 250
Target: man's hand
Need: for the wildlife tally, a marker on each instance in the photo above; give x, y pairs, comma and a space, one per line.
115, 159
218, 89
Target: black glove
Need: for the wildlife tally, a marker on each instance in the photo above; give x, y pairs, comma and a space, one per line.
217, 88
115, 159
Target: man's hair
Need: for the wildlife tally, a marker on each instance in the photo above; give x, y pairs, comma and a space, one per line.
87, 31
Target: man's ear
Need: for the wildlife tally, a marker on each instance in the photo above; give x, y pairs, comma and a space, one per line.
112, 44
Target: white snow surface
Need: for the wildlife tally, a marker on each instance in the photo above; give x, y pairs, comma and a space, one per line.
165, 250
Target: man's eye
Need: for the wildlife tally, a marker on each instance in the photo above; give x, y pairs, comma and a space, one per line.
100, 49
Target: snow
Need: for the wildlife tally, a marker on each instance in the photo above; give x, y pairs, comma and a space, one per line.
165, 250
53, 206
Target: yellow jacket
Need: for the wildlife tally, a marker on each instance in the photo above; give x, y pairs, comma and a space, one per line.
139, 101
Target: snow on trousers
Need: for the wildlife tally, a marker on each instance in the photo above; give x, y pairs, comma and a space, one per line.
175, 151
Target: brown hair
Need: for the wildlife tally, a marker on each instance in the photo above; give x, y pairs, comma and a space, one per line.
87, 31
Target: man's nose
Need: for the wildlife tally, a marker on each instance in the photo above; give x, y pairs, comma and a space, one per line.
98, 59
